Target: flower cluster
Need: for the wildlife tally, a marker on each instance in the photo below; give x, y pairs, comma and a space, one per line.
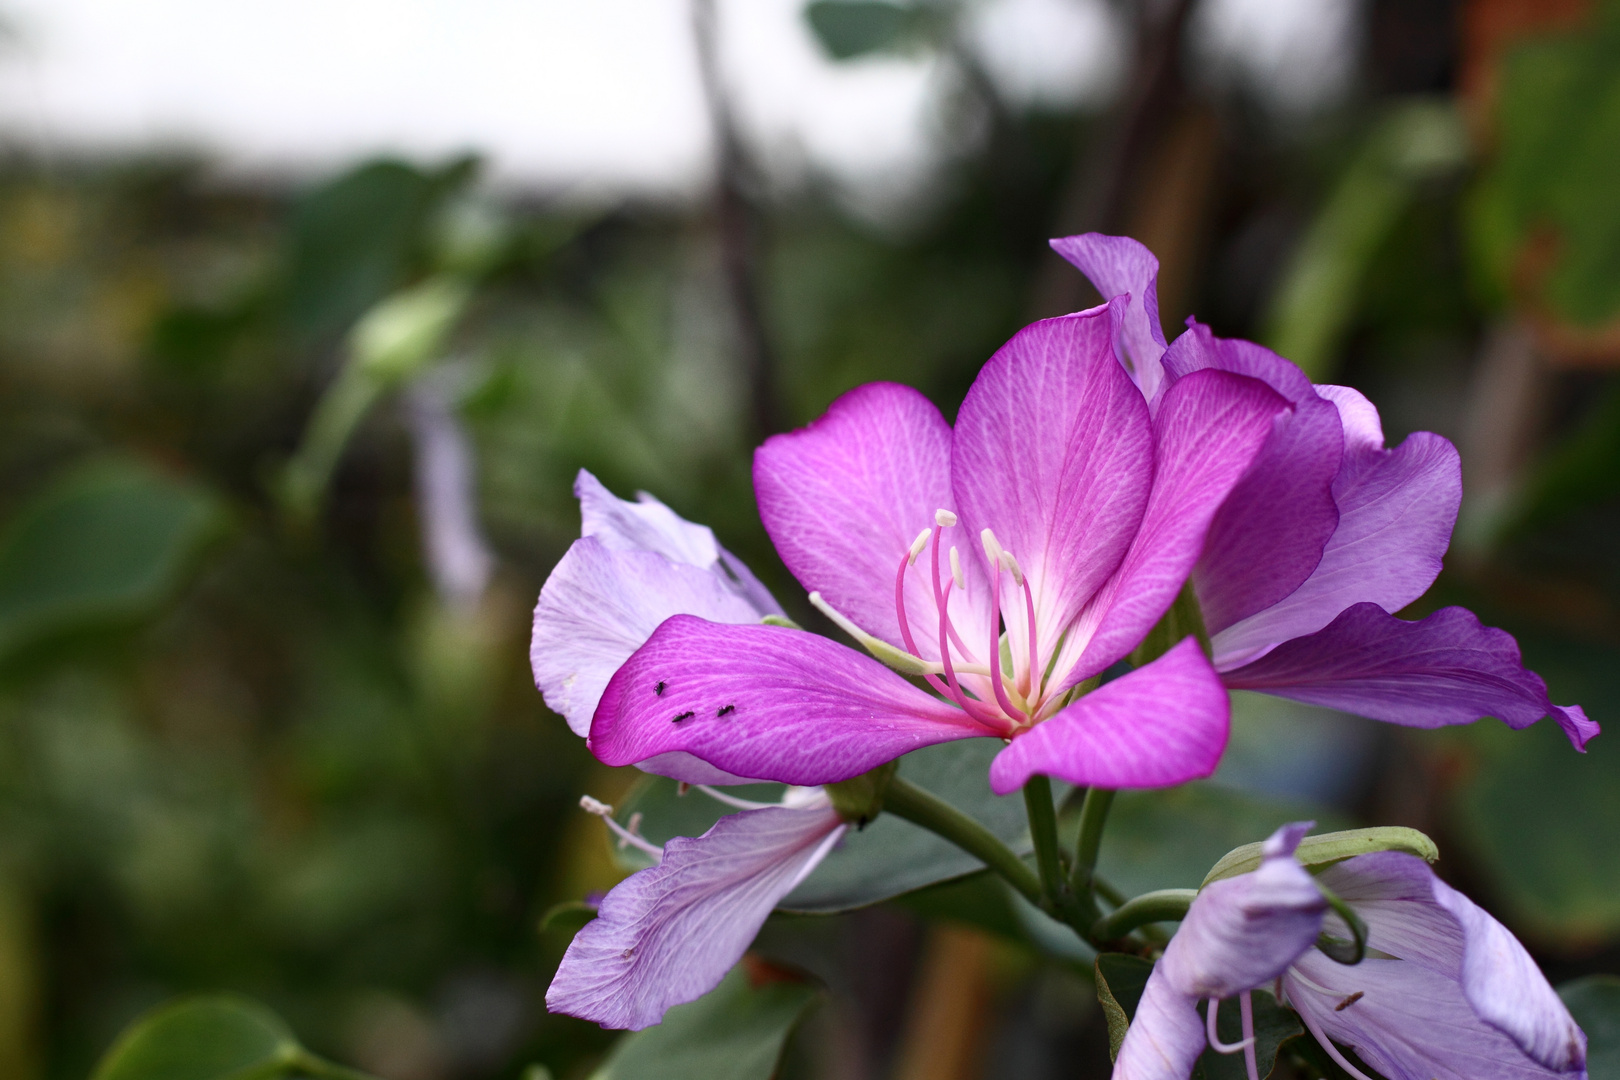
1199, 509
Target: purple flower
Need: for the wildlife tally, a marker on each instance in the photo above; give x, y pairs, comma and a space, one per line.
1327, 535
1444, 993
668, 934
1004, 561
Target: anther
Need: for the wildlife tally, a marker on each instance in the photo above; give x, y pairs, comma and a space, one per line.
595, 806
944, 518
1010, 564
992, 547
1349, 1001
918, 544
956, 570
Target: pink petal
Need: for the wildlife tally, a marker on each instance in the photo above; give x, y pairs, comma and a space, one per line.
765, 702
668, 934
1054, 452
1118, 265
1163, 724
1396, 511
1209, 427
843, 499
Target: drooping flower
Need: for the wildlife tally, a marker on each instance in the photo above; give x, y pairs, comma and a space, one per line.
1445, 992
668, 934
1005, 561
1325, 538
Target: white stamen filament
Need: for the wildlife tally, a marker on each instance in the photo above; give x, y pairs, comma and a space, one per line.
731, 800
626, 836
1332, 1051
1214, 1038
956, 570
944, 518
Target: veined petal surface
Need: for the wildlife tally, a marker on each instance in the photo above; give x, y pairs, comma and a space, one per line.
843, 498
600, 605
1165, 1037
1444, 669
1162, 724
668, 934
765, 702
1120, 266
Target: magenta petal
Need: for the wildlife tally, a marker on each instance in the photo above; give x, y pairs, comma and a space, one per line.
843, 499
1209, 427
668, 934
1163, 724
765, 702
1198, 348
1445, 669
1118, 266
1165, 1037
1054, 451
1396, 511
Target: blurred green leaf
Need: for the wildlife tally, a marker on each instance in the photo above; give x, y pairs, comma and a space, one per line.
1556, 169
1329, 848
735, 1032
1320, 290
1595, 1003
570, 915
851, 28
1120, 981
1541, 820
219, 1037
104, 543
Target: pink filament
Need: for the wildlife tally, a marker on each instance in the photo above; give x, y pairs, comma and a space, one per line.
905, 623
1035, 668
1247, 1007
995, 647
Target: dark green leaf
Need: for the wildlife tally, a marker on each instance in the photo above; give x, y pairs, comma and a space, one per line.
219, 1037
1120, 979
851, 28
1329, 848
735, 1032
1595, 1003
104, 543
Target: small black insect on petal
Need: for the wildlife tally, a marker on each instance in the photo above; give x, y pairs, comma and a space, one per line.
724, 709
659, 689
687, 715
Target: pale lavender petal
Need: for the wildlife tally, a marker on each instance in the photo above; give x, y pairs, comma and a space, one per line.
668, 934
1198, 348
1269, 534
1508, 991
1363, 430
1406, 1021
446, 496
843, 499
1162, 724
765, 702
1393, 892
600, 605
1396, 511
1117, 266
1209, 427
649, 525
1054, 452
1165, 1037
1444, 669
1242, 932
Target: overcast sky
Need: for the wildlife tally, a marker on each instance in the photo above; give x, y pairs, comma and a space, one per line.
594, 94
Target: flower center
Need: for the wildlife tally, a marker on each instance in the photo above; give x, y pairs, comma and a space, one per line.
990, 697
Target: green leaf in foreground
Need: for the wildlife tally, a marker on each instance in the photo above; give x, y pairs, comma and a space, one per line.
1120, 980
217, 1037
735, 1032
1595, 1003
104, 543
847, 29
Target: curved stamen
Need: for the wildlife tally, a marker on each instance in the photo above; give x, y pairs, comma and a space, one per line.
732, 800
900, 610
1215, 1042
1246, 1006
1332, 1051
605, 812
1036, 671
995, 639
969, 705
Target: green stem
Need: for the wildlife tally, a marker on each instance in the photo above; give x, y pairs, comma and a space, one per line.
1043, 831
907, 800
1093, 816
1165, 905
1345, 952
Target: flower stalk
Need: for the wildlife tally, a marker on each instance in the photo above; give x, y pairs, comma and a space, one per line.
907, 800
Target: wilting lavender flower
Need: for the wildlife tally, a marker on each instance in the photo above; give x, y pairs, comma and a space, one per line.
1325, 538
1445, 992
668, 934
1058, 507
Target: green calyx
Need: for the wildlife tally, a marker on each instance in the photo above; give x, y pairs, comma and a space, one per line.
860, 799
1319, 852
1184, 619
